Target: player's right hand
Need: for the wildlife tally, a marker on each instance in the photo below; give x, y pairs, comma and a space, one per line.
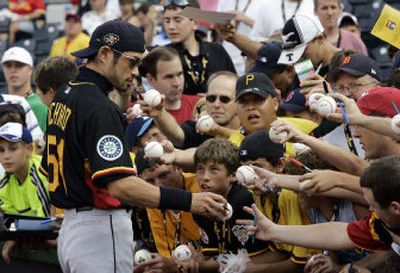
208, 204
264, 228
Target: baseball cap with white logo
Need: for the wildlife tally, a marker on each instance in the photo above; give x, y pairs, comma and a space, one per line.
15, 132
297, 32
17, 54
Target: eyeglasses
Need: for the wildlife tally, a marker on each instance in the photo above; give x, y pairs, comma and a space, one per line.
133, 60
176, 2
351, 86
213, 98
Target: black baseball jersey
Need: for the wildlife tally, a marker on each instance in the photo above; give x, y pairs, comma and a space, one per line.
85, 144
228, 237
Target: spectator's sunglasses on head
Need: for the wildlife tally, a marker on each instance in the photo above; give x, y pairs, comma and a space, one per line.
176, 2
213, 98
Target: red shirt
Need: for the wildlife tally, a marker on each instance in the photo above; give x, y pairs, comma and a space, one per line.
368, 234
186, 111
24, 7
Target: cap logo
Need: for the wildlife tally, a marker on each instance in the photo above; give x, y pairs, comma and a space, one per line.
346, 60
110, 39
243, 152
249, 78
373, 71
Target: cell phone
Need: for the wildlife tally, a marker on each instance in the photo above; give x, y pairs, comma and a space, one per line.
304, 69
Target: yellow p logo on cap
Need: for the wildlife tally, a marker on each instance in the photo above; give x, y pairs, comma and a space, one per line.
249, 78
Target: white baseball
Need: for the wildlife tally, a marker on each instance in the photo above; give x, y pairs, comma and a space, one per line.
153, 149
229, 212
152, 98
245, 175
395, 121
313, 101
136, 110
182, 253
277, 138
142, 256
326, 105
300, 148
205, 123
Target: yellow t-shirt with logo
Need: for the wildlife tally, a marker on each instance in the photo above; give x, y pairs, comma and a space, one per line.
189, 230
304, 125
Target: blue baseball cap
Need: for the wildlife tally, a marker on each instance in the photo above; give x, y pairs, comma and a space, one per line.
15, 132
137, 128
118, 35
295, 101
267, 60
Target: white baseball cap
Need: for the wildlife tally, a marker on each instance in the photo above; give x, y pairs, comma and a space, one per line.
17, 54
296, 34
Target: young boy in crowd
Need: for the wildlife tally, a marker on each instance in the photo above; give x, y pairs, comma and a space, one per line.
258, 150
216, 161
23, 189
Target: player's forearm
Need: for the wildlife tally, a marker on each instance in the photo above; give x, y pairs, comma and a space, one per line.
286, 266
378, 125
343, 160
246, 45
136, 191
332, 235
170, 128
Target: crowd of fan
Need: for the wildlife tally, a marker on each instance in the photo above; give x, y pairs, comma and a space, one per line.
243, 75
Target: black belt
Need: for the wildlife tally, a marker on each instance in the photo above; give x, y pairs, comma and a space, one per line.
84, 209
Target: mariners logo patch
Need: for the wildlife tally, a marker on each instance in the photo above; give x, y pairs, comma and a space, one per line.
109, 147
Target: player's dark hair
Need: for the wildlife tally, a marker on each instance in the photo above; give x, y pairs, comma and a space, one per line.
54, 72
149, 63
383, 178
218, 151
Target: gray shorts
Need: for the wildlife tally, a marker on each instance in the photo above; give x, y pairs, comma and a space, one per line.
98, 241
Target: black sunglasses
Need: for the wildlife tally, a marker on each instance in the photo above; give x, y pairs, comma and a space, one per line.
213, 98
133, 60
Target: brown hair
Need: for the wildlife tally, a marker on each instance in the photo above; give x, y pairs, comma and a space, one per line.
54, 72
218, 151
149, 63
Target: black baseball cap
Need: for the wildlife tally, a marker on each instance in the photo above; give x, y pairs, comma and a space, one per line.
143, 163
267, 59
294, 102
118, 35
359, 65
257, 83
259, 145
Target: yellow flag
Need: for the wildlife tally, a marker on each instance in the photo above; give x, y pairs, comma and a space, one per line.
387, 27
